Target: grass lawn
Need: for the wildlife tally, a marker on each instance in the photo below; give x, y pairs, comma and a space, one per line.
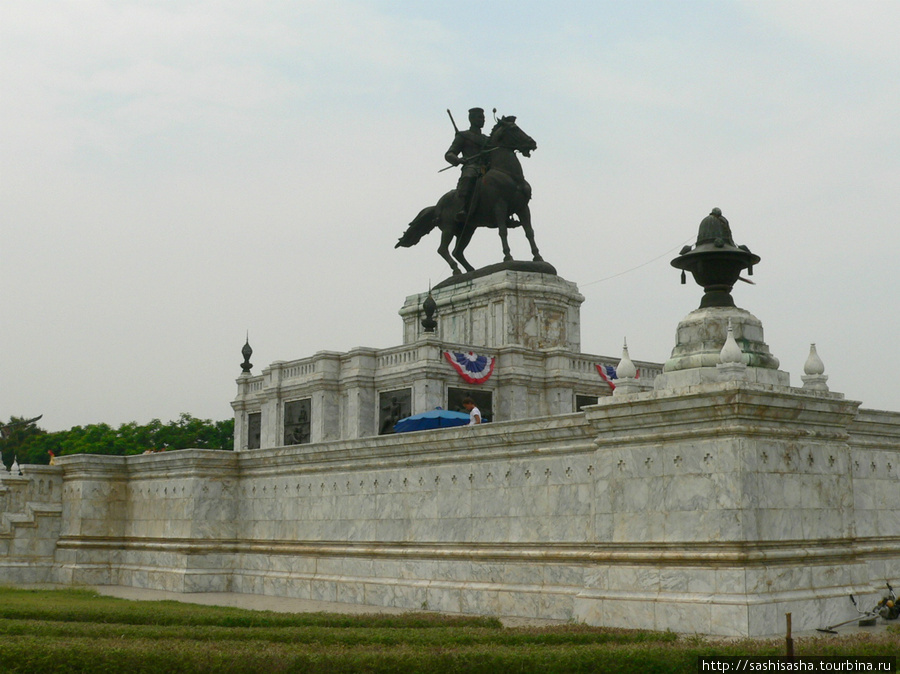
81, 631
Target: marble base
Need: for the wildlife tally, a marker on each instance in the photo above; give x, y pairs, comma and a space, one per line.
520, 314
711, 509
702, 333
508, 307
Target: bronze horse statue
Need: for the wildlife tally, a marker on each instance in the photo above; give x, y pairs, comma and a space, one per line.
501, 193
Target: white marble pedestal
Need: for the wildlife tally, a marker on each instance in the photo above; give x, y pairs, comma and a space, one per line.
506, 308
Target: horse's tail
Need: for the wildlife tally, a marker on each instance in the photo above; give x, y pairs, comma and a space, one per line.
421, 225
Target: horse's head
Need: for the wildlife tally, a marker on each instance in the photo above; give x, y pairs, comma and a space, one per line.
506, 133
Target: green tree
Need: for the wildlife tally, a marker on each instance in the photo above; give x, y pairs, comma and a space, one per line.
31, 444
16, 438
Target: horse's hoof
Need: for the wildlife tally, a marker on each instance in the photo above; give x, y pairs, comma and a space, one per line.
538, 258
507, 258
456, 272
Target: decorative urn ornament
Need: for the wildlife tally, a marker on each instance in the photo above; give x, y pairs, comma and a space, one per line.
715, 261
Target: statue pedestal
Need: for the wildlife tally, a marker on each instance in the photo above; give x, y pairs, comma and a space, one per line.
699, 340
509, 307
520, 314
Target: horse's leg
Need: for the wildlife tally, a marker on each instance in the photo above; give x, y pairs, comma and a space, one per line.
525, 219
462, 241
444, 249
444, 219
501, 217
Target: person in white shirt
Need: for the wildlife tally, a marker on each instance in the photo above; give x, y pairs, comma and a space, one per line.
474, 412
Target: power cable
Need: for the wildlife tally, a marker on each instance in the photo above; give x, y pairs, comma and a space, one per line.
628, 271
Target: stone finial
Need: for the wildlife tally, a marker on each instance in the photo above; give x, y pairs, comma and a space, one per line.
731, 352
626, 373
14, 469
246, 352
625, 369
731, 366
815, 378
813, 364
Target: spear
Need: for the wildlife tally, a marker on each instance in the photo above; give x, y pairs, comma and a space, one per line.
452, 121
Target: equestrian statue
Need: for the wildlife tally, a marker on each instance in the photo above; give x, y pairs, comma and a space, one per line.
491, 190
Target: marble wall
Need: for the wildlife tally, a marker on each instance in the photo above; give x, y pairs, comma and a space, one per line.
30, 521
713, 509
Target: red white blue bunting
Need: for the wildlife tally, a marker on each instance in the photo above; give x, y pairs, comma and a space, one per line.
608, 374
474, 369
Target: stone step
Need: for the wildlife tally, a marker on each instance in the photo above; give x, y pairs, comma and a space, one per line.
9, 521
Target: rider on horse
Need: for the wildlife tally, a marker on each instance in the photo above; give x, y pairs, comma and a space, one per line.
471, 144
502, 192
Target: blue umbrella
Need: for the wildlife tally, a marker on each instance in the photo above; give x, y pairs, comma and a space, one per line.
437, 418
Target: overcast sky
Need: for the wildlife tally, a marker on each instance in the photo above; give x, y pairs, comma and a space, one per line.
174, 174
